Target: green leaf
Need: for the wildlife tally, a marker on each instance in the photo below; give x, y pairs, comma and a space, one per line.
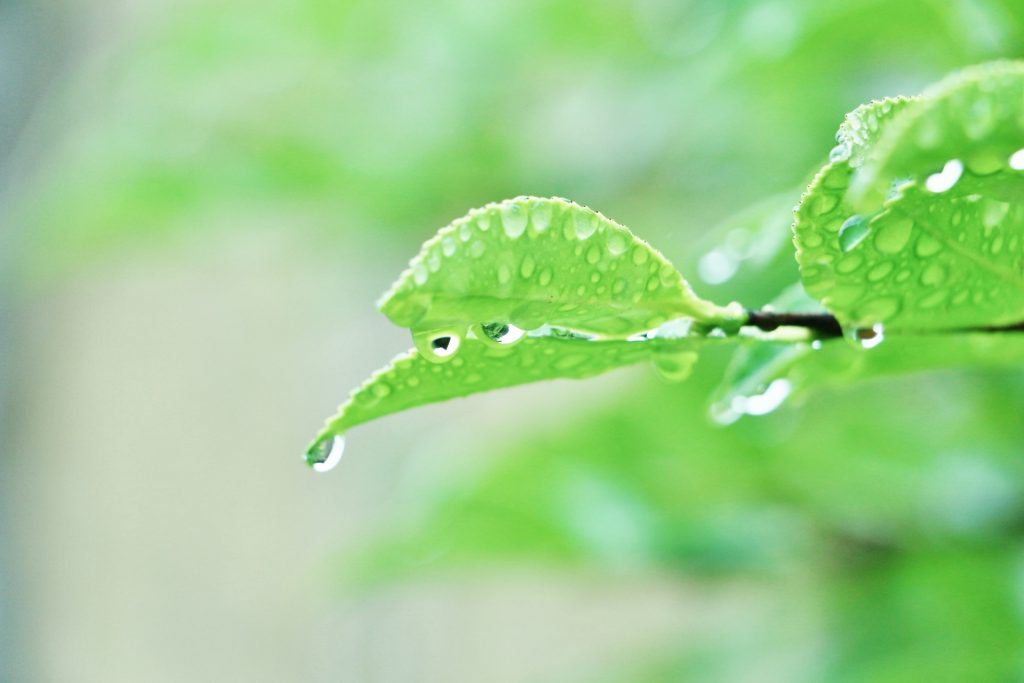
411, 380
532, 261
944, 250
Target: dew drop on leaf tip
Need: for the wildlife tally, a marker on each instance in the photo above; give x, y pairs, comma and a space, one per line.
325, 454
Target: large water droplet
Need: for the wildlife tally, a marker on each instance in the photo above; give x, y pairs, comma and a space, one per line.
586, 224
325, 454
840, 152
499, 334
945, 179
617, 243
438, 346
852, 232
540, 216
514, 220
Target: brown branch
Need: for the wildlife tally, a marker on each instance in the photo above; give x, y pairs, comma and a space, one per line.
826, 326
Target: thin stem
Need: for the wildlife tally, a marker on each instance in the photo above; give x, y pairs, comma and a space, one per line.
825, 325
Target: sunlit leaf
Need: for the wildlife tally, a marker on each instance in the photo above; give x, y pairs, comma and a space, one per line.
945, 249
532, 261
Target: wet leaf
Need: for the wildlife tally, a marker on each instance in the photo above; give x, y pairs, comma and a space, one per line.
411, 380
944, 250
531, 261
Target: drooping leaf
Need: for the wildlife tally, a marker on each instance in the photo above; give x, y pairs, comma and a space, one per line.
944, 250
531, 261
411, 380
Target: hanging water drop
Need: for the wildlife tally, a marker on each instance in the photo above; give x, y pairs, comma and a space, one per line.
501, 335
869, 337
437, 346
325, 454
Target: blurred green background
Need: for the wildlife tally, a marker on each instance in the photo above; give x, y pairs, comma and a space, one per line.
202, 201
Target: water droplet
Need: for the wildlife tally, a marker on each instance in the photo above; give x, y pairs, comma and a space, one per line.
1017, 160
593, 254
434, 262
840, 152
419, 274
893, 235
717, 266
540, 216
438, 346
586, 224
675, 367
448, 246
595, 278
504, 274
324, 455
527, 267
984, 162
544, 279
465, 231
945, 179
619, 286
852, 232
477, 249
499, 334
640, 255
514, 220
617, 243
483, 221
869, 337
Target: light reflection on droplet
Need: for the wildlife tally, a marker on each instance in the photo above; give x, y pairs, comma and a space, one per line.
870, 337
945, 179
1017, 160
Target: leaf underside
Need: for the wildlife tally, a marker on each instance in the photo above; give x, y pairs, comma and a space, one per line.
411, 380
